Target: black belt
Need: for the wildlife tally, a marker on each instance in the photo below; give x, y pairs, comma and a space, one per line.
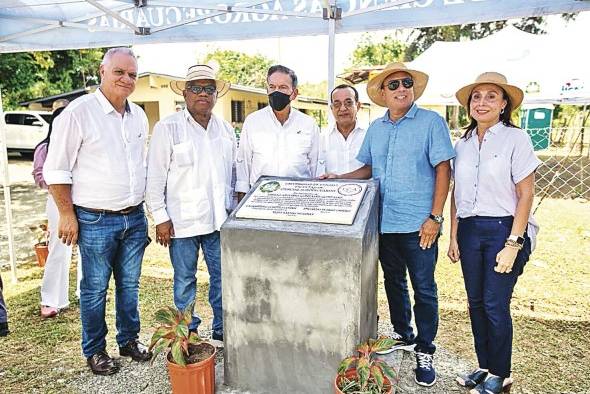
124, 211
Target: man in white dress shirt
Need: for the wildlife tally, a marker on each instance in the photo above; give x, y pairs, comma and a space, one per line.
277, 140
189, 191
340, 145
96, 174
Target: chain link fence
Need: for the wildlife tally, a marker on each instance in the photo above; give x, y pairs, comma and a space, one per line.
565, 171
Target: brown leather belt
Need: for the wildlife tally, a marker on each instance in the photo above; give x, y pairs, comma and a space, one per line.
125, 211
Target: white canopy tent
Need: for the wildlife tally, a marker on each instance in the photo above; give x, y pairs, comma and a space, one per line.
36, 25
552, 69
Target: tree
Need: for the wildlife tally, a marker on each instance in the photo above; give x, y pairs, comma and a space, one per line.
315, 90
240, 68
18, 74
28, 75
369, 53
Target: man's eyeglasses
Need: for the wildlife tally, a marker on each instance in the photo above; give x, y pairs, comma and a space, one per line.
347, 104
394, 83
197, 89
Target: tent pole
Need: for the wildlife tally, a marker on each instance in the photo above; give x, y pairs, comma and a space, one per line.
6, 183
331, 52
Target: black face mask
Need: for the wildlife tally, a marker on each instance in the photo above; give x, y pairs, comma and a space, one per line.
278, 100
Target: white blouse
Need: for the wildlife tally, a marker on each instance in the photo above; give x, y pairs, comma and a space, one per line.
486, 177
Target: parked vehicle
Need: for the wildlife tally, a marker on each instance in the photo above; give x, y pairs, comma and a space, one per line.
25, 129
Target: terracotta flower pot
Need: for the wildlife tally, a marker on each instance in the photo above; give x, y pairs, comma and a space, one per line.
193, 378
352, 373
41, 251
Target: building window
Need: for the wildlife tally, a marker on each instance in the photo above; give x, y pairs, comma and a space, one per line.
262, 105
237, 111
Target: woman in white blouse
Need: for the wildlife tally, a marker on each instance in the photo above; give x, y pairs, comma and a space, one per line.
492, 230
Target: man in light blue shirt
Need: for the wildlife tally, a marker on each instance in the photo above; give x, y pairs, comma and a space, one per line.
408, 151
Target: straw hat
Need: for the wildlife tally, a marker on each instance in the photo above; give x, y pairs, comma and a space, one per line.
516, 94
376, 83
200, 71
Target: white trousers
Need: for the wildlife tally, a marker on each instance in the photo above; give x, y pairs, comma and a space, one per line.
55, 285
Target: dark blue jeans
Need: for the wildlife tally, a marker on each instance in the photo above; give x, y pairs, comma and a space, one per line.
399, 253
184, 253
3, 313
489, 292
110, 244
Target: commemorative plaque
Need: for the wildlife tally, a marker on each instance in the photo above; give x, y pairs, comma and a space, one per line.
304, 201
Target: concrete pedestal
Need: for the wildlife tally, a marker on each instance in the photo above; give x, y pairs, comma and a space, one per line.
297, 298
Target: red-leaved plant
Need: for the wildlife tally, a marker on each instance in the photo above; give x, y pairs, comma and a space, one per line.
173, 333
364, 372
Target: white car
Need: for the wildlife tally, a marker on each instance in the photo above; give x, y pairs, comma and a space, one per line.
25, 129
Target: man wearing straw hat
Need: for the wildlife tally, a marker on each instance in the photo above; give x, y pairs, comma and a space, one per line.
408, 151
189, 192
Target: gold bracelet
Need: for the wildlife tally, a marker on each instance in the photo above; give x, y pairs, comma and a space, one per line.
513, 244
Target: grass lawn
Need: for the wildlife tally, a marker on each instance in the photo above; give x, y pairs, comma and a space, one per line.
551, 309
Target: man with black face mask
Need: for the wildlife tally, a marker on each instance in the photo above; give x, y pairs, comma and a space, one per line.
277, 140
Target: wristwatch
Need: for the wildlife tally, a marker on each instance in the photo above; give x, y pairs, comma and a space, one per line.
516, 238
437, 218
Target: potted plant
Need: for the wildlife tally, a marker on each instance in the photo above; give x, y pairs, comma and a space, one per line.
41, 247
365, 372
191, 362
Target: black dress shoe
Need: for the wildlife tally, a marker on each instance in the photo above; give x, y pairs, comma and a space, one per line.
136, 350
473, 379
101, 364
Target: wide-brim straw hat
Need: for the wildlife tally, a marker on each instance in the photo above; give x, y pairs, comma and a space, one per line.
200, 71
515, 93
375, 83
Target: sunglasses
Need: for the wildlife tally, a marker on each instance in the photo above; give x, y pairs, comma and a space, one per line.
196, 89
394, 83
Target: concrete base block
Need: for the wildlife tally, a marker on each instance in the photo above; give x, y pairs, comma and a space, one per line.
297, 298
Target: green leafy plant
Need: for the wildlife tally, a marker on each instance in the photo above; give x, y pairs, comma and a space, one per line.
365, 373
173, 333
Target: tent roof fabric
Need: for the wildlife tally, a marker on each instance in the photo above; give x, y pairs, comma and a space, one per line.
549, 68
34, 25
544, 66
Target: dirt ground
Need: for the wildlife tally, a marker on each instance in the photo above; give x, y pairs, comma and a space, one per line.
551, 308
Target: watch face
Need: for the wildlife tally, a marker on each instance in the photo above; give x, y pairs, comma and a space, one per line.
437, 218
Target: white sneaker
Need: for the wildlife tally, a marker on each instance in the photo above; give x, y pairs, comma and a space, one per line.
400, 344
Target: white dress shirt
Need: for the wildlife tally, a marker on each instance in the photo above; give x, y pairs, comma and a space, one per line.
100, 152
190, 173
486, 177
338, 155
268, 147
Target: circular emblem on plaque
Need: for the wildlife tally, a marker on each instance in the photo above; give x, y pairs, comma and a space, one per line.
349, 189
270, 187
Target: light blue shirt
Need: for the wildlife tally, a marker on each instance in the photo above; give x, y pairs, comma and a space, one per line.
402, 155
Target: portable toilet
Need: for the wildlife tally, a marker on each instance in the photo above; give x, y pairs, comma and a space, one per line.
536, 120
